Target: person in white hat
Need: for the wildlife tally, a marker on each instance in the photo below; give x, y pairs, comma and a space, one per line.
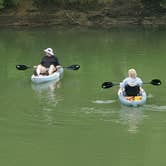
49, 63
132, 84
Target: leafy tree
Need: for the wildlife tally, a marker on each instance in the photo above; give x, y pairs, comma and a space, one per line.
10, 3
1, 4
153, 6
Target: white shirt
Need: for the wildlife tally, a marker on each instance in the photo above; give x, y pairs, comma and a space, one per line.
131, 81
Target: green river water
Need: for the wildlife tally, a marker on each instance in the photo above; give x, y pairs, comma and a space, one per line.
75, 122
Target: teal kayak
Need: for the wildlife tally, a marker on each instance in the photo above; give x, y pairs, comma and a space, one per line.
56, 76
132, 100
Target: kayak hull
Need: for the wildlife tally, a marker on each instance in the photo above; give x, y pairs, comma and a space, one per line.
43, 79
134, 101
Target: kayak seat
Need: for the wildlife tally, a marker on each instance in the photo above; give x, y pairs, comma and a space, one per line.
132, 90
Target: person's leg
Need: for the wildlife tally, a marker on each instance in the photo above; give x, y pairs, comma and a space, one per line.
52, 69
40, 69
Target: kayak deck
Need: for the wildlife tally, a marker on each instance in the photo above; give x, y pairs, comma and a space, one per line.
46, 78
132, 100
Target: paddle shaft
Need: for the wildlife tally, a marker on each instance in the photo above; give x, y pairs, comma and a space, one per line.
24, 67
106, 85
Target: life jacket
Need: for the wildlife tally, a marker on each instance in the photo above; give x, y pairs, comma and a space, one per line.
132, 90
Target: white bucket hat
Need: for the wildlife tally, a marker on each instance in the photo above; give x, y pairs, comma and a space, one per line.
49, 51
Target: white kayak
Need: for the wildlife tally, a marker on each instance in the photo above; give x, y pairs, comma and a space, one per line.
132, 100
46, 78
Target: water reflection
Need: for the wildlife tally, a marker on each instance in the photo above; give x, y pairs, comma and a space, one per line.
131, 117
48, 99
46, 87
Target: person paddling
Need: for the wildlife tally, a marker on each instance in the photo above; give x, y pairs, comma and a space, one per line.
49, 63
132, 84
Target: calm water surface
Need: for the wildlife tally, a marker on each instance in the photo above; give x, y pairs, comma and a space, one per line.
74, 122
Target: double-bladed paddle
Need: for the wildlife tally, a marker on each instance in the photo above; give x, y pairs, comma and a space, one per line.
24, 67
106, 85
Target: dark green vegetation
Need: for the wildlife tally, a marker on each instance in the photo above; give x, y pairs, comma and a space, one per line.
116, 7
9, 3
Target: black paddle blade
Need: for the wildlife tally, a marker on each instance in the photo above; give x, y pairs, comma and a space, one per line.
21, 67
73, 67
106, 85
156, 82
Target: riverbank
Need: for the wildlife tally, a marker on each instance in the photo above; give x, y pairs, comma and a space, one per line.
92, 18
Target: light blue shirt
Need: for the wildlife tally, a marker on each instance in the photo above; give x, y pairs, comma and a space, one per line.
131, 81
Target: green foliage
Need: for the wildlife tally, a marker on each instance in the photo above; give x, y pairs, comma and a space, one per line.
10, 3
163, 4
138, 7
153, 6
47, 3
65, 3
1, 4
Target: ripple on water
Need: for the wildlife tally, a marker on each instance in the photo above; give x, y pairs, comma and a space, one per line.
150, 95
102, 114
94, 110
103, 101
161, 108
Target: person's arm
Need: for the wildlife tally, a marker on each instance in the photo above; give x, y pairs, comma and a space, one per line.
56, 63
58, 67
140, 82
123, 83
